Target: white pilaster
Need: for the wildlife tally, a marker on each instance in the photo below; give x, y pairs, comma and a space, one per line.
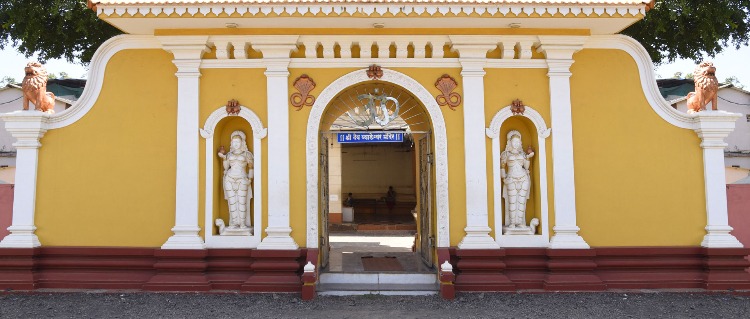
27, 127
712, 128
473, 58
276, 53
559, 53
187, 52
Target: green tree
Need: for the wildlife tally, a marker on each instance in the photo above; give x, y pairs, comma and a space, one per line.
691, 28
733, 80
53, 29
7, 80
672, 29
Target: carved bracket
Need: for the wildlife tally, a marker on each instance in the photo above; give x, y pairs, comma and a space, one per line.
517, 107
446, 84
304, 84
233, 107
374, 72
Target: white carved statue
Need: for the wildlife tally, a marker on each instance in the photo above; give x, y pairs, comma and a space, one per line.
238, 173
514, 170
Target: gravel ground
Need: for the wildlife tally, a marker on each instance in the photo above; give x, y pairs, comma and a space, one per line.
467, 305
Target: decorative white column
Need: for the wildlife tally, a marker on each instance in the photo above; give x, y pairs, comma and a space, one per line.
276, 52
712, 128
187, 52
559, 53
473, 57
27, 127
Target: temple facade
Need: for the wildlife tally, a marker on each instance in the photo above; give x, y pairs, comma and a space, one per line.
544, 156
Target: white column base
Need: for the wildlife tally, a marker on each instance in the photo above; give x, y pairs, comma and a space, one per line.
21, 237
566, 237
719, 237
278, 239
478, 238
185, 238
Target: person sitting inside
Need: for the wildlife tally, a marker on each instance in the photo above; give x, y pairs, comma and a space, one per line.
349, 201
390, 199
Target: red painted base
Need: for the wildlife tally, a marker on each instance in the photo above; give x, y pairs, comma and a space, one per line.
598, 269
152, 269
282, 271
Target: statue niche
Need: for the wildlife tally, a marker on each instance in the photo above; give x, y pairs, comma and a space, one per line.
238, 192
515, 174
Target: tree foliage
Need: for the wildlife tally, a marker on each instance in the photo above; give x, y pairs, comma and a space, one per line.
672, 29
53, 29
691, 28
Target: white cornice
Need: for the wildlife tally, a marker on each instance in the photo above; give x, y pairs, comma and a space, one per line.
368, 10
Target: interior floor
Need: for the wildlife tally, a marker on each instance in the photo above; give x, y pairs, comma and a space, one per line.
374, 251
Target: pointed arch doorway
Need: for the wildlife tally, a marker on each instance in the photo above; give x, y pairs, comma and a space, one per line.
419, 122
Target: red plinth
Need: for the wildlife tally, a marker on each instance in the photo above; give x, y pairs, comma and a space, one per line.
179, 270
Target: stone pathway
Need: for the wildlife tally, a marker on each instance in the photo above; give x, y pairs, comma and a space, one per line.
466, 305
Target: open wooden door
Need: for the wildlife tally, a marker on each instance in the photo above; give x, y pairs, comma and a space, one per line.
426, 236
325, 246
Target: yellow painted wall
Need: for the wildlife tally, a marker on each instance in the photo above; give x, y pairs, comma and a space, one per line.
116, 186
639, 180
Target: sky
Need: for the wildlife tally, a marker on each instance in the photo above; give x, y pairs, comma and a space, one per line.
729, 63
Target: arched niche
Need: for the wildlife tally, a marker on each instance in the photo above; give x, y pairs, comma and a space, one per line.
213, 181
535, 132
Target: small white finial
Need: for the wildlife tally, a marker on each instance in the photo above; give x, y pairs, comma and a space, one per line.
309, 267
446, 266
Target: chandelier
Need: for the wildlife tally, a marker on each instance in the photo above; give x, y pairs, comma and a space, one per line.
386, 110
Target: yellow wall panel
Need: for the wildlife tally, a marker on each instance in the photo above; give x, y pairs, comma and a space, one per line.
639, 180
116, 183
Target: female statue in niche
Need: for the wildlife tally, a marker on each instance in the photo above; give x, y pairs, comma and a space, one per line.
514, 170
238, 173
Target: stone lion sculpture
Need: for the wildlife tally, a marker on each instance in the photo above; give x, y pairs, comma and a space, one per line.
34, 87
706, 88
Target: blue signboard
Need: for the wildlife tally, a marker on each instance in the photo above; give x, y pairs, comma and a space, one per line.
371, 137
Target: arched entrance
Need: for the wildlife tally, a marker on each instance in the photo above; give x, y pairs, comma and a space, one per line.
429, 143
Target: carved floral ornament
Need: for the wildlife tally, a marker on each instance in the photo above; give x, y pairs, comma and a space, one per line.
304, 85
374, 72
233, 107
517, 107
446, 84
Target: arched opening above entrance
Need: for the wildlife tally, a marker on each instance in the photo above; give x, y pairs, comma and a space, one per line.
391, 107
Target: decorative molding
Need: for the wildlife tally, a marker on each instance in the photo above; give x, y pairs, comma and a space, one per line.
374, 72
107, 11
517, 107
259, 132
446, 84
334, 63
439, 132
233, 107
542, 132
304, 84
